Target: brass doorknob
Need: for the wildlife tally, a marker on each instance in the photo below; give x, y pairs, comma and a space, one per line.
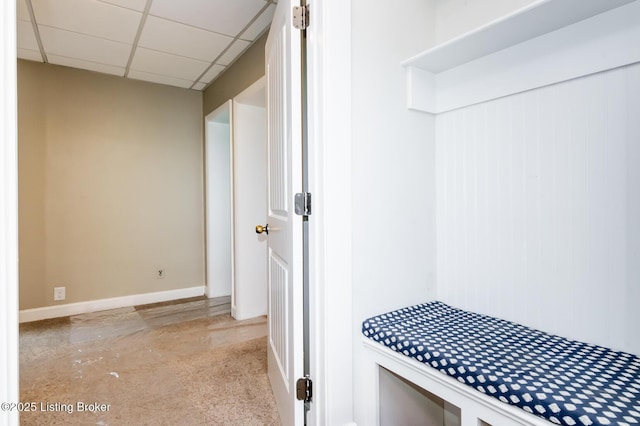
260, 229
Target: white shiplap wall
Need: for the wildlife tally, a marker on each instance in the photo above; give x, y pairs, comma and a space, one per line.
538, 208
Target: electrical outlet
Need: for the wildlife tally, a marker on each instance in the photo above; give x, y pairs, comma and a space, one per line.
160, 273
59, 293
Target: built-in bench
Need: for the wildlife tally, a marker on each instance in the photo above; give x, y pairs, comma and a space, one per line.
498, 372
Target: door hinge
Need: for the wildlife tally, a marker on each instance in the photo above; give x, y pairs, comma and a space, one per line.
300, 17
304, 389
303, 203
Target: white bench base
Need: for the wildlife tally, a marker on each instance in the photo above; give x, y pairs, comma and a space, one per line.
476, 408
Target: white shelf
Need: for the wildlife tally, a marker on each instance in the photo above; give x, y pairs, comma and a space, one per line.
544, 28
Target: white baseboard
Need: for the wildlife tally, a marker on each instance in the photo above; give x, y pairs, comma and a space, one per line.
57, 311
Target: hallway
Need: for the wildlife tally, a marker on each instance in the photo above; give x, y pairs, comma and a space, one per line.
187, 362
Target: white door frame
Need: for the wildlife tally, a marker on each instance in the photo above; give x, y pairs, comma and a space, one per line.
226, 108
8, 213
329, 106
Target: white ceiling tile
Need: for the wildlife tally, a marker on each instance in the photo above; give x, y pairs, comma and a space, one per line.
178, 42
22, 11
85, 65
31, 55
230, 55
26, 37
260, 24
212, 73
162, 79
222, 16
184, 40
84, 47
129, 4
90, 17
165, 64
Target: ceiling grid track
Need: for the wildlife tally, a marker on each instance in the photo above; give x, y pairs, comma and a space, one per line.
36, 31
236, 38
134, 46
188, 45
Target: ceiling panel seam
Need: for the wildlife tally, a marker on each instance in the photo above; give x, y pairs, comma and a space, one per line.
173, 54
162, 75
192, 26
66, 30
134, 46
119, 5
236, 38
87, 60
36, 31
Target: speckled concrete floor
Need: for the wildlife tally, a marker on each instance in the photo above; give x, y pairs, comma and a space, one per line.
188, 363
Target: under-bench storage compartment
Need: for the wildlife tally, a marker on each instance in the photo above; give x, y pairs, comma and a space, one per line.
405, 403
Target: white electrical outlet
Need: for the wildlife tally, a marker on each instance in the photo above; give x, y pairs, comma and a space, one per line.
59, 293
160, 273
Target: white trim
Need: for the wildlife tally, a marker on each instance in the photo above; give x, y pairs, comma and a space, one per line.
330, 230
421, 90
226, 107
531, 21
57, 311
9, 391
600, 43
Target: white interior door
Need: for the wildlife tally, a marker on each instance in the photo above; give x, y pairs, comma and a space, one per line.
250, 202
285, 255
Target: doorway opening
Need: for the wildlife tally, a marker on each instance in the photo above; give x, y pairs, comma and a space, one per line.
219, 202
236, 200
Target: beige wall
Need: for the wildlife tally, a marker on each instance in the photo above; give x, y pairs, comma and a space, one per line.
245, 71
110, 185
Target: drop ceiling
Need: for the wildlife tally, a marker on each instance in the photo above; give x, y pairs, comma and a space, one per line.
184, 43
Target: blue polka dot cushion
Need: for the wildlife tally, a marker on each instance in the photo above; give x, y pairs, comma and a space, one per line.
564, 381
